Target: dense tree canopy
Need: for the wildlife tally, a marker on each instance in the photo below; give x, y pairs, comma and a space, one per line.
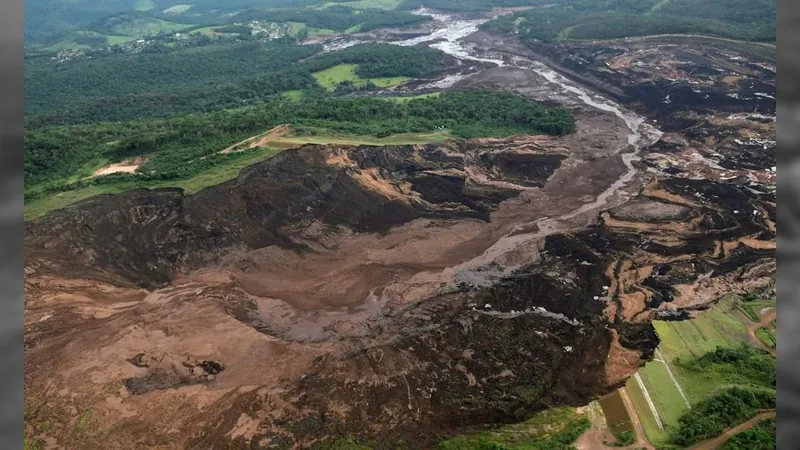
606, 19
198, 79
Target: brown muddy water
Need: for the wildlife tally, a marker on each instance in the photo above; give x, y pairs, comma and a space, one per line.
616, 414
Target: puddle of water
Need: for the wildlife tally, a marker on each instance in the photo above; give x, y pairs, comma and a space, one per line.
615, 412
322, 324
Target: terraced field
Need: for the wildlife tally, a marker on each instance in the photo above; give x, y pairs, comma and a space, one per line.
673, 385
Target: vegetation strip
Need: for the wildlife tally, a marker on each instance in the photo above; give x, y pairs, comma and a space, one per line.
649, 401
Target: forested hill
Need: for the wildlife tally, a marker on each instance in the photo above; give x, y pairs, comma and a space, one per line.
45, 19
200, 79
607, 19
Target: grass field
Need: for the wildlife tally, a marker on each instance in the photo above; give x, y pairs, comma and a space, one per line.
654, 434
665, 394
219, 174
205, 31
178, 9
142, 27
210, 32
70, 40
330, 78
324, 137
683, 342
553, 428
720, 326
295, 27
319, 31
294, 96
144, 5
116, 40
564, 34
222, 172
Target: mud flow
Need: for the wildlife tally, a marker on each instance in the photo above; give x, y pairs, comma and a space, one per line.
404, 294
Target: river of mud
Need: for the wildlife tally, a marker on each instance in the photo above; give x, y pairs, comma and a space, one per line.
448, 38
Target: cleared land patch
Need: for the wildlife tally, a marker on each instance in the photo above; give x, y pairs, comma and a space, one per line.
178, 9
144, 5
332, 77
293, 95
127, 166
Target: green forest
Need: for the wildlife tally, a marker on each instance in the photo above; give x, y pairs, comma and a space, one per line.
187, 145
607, 19
198, 79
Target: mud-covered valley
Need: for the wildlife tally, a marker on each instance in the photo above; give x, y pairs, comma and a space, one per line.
404, 294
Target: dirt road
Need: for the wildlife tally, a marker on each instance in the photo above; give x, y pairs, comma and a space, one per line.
258, 140
766, 321
717, 442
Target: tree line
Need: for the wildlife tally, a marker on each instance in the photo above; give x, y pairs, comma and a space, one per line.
183, 146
